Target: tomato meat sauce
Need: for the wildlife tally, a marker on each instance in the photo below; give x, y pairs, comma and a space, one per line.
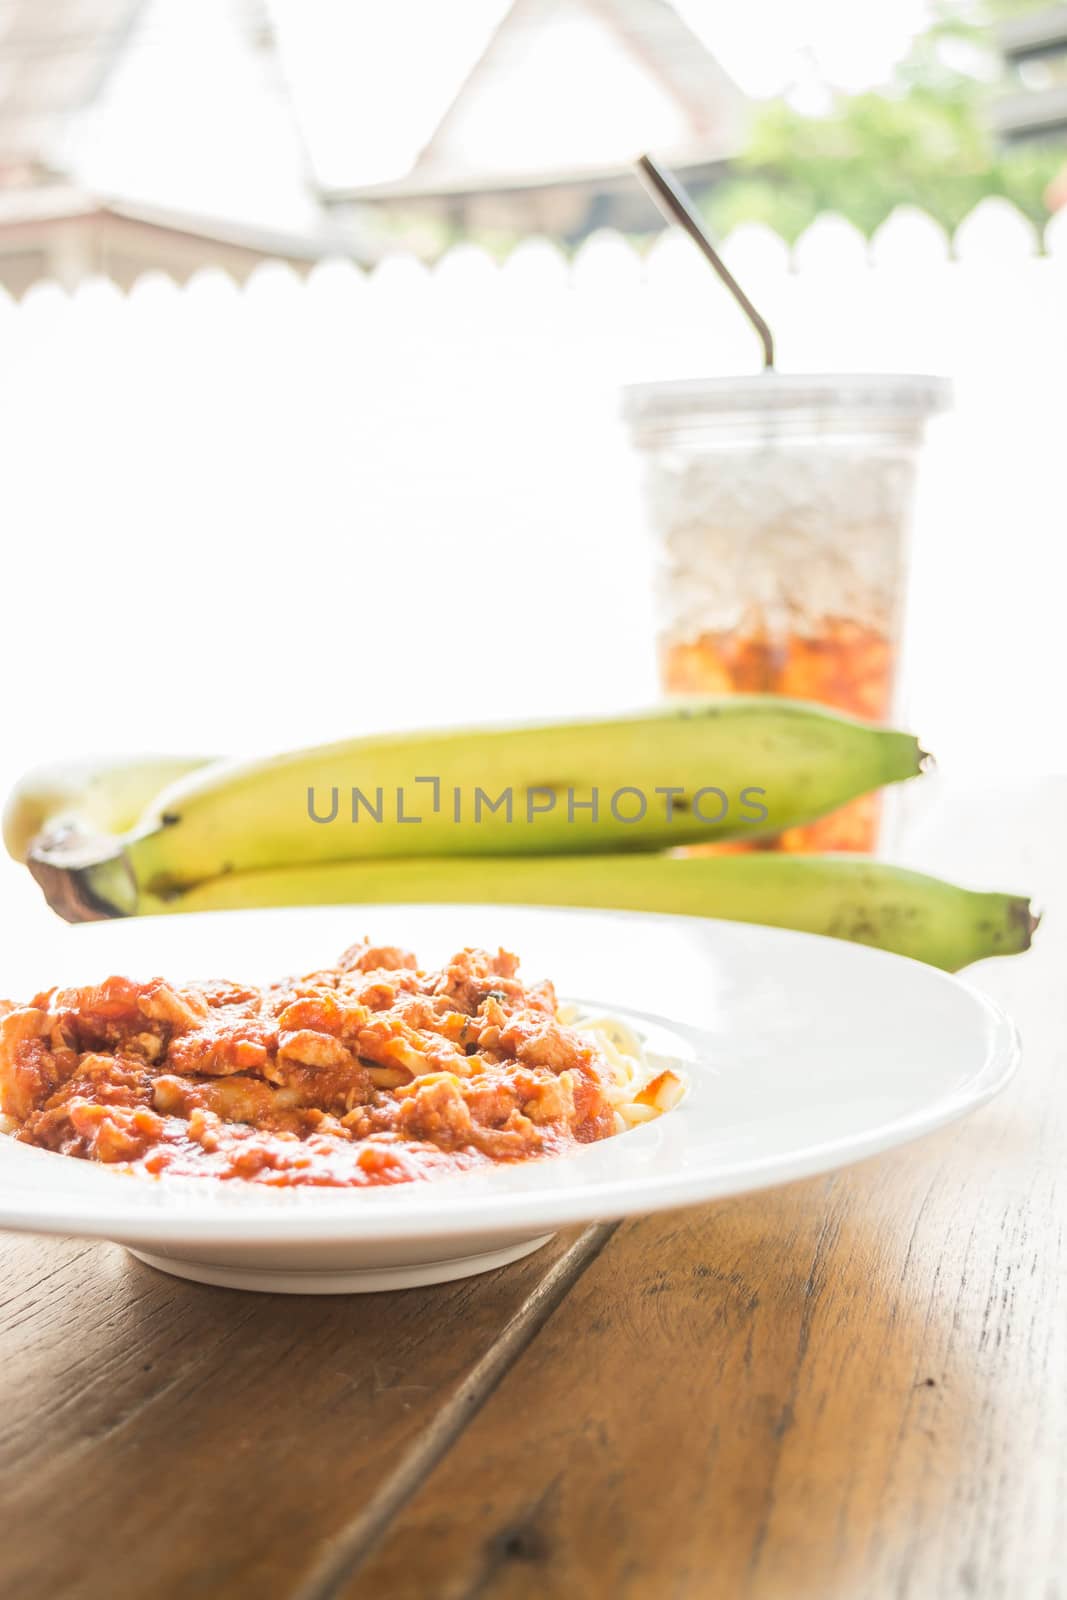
370, 1072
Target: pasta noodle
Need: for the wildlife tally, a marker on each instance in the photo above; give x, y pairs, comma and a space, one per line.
637, 1093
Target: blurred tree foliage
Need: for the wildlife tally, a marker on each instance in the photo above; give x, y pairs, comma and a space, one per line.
922, 141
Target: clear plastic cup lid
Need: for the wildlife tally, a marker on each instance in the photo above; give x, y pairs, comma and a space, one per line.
905, 399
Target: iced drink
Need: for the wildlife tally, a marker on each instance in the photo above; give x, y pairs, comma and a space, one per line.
780, 506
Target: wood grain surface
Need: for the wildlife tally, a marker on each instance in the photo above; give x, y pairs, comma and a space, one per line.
855, 1386
163, 1439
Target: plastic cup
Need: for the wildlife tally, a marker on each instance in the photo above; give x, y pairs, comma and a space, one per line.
781, 510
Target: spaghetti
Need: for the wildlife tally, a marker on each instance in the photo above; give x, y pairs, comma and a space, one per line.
373, 1071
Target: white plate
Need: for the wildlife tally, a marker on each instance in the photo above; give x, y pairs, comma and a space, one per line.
802, 1054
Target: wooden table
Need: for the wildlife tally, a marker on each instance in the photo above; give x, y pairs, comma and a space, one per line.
853, 1386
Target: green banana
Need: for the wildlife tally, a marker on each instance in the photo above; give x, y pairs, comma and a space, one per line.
702, 770
845, 897
98, 794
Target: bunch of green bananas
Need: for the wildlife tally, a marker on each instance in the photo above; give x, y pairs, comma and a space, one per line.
572, 813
